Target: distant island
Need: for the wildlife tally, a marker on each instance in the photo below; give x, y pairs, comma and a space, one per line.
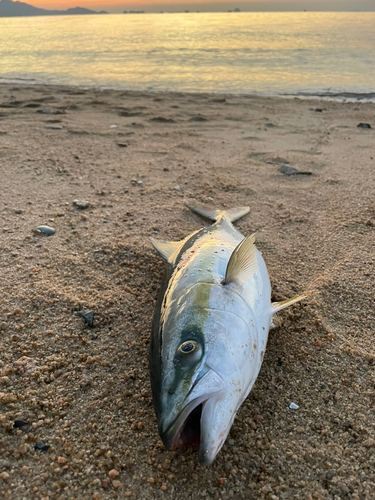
8, 8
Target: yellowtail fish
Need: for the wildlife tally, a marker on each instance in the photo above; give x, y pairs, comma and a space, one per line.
209, 332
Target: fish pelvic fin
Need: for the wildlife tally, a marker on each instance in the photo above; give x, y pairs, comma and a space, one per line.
278, 306
165, 248
242, 263
232, 214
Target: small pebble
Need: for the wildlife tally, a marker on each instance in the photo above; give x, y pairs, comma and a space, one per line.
364, 125
48, 231
18, 424
293, 406
81, 204
23, 448
287, 170
42, 446
62, 460
4, 476
4, 381
113, 473
221, 481
122, 145
45, 111
53, 127
177, 188
113, 126
88, 316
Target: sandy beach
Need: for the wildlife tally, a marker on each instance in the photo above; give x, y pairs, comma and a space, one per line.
136, 158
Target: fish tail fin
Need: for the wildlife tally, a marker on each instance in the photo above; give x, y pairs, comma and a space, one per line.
278, 306
232, 214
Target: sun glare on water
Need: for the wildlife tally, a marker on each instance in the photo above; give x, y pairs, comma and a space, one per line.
221, 52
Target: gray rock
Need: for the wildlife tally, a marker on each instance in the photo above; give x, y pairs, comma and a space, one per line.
53, 127
287, 170
18, 424
45, 111
88, 316
364, 125
42, 446
48, 231
81, 204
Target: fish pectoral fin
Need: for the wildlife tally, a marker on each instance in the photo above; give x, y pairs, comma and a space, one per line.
165, 248
278, 306
242, 263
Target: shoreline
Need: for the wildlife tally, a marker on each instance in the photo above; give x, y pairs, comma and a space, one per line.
344, 96
136, 158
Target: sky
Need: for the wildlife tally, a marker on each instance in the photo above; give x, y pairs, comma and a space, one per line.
115, 6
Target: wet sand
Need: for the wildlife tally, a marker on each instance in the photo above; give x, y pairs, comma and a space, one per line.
136, 158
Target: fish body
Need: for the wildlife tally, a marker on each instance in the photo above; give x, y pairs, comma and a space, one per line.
209, 332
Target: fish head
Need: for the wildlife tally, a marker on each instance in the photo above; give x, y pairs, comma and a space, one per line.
202, 382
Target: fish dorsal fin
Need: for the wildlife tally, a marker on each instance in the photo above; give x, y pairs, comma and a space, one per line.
165, 248
278, 306
242, 263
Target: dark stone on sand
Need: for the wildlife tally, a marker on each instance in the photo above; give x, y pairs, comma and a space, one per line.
122, 145
364, 125
45, 111
53, 127
78, 132
18, 424
32, 105
41, 446
287, 170
81, 205
161, 119
88, 316
198, 118
270, 125
318, 110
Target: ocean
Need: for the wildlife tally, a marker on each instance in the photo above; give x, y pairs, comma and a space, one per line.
329, 54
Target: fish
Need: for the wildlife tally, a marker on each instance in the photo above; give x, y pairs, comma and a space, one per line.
209, 331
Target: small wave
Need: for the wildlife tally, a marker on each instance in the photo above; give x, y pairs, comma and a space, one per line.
20, 81
335, 96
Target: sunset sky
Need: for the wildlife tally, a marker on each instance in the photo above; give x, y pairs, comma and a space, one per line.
209, 5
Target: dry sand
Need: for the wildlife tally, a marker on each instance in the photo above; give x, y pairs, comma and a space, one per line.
137, 158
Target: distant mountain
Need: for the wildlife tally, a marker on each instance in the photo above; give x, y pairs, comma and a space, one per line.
19, 9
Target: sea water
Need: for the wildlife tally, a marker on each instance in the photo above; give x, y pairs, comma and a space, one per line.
241, 53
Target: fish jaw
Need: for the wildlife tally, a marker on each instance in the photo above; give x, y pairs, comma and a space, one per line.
185, 429
215, 427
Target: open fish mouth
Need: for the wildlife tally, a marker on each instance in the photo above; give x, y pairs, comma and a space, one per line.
192, 426
186, 430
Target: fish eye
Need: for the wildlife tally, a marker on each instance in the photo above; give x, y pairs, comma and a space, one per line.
190, 348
